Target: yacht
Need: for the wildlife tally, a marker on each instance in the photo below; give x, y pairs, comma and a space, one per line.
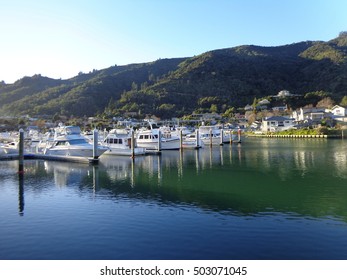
190, 141
11, 148
213, 135
68, 141
149, 138
118, 142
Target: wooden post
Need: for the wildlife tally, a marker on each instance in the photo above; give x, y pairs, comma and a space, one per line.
211, 137
197, 138
239, 134
181, 139
159, 140
231, 136
95, 144
132, 144
21, 152
221, 137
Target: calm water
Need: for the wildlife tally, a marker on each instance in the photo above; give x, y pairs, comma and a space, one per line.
265, 199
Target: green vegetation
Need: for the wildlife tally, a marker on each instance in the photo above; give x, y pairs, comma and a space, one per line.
216, 81
310, 131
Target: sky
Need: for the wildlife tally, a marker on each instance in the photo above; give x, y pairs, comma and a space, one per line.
60, 38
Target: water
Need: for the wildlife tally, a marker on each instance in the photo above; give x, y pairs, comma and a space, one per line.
264, 199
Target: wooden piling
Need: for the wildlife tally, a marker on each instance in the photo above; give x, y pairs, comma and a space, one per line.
95, 144
21, 152
159, 140
132, 144
181, 139
197, 138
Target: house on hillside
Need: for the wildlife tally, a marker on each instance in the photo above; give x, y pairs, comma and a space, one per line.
248, 108
276, 123
284, 94
310, 114
263, 104
280, 108
339, 113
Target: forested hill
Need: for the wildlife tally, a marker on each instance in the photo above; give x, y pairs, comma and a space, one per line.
216, 80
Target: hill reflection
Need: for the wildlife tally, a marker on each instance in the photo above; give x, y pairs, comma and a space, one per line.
288, 176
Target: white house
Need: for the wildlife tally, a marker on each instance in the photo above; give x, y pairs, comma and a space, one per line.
313, 114
276, 123
339, 114
339, 111
285, 93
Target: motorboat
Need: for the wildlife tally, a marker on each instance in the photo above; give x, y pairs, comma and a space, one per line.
118, 142
191, 141
148, 138
68, 141
214, 135
11, 148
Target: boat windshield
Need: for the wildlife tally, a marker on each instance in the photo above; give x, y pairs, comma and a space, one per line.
77, 141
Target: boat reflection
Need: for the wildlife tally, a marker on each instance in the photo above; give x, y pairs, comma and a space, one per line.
249, 179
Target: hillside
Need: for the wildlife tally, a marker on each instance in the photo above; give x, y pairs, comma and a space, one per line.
215, 80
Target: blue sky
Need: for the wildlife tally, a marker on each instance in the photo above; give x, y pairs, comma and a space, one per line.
59, 38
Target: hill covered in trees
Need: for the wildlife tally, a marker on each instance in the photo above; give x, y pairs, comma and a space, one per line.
216, 81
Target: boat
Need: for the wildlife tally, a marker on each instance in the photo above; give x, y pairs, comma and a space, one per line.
69, 142
212, 135
190, 141
148, 138
118, 142
11, 148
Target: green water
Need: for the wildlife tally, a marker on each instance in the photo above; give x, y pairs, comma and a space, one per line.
263, 199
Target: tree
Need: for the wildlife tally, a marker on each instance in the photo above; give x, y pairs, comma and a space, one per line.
344, 101
326, 102
213, 108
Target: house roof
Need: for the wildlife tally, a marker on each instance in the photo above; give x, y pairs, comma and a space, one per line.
278, 118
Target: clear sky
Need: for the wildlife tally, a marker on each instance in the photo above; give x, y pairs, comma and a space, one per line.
59, 38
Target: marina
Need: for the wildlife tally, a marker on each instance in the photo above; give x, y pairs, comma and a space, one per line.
266, 198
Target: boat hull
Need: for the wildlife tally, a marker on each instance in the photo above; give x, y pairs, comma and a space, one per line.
125, 152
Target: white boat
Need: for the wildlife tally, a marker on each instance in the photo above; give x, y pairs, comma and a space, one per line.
11, 148
149, 138
118, 142
190, 141
68, 141
213, 135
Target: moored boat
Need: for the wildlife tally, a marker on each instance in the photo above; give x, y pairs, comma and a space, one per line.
69, 142
149, 138
119, 142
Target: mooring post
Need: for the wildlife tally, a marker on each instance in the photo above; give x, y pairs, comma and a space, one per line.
181, 139
231, 136
211, 137
21, 152
221, 137
132, 143
197, 138
95, 144
159, 140
239, 134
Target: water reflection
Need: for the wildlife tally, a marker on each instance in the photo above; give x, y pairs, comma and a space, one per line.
305, 177
21, 194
